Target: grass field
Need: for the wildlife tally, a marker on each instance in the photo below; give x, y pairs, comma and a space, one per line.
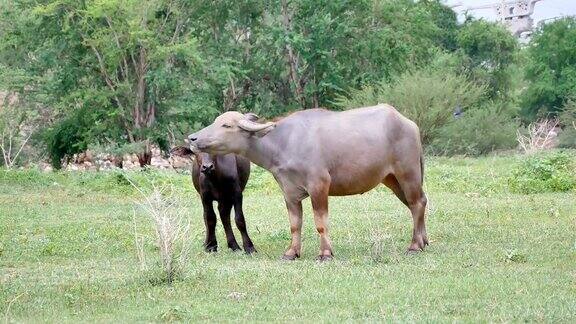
67, 254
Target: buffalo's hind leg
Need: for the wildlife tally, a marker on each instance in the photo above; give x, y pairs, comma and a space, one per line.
417, 204
408, 188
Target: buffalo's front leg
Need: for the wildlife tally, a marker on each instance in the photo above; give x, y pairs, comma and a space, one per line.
241, 225
210, 243
295, 215
319, 197
224, 208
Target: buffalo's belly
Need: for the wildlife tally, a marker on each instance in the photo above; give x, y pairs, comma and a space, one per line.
353, 183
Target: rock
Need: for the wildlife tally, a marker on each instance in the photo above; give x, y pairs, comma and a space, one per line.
45, 167
89, 156
72, 167
130, 162
160, 163
179, 162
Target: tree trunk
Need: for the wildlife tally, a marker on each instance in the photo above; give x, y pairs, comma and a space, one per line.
297, 82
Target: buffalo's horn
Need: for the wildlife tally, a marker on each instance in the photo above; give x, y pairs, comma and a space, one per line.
251, 116
252, 126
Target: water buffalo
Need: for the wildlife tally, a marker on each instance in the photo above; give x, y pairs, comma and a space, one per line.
321, 153
220, 178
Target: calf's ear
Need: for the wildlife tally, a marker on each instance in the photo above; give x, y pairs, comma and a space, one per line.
181, 151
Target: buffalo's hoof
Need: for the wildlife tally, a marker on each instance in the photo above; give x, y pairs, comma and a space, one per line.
211, 249
324, 258
250, 250
287, 257
234, 247
413, 252
418, 244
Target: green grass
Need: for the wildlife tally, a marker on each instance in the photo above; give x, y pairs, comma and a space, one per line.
67, 254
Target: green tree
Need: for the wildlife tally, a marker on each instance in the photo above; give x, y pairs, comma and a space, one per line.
489, 51
551, 70
128, 66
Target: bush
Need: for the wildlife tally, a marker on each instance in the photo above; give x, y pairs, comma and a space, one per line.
168, 213
479, 131
427, 96
567, 117
555, 172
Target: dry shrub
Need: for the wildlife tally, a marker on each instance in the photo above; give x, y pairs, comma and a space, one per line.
167, 213
541, 136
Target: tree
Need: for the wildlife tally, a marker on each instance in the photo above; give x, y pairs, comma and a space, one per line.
128, 66
16, 128
551, 68
489, 51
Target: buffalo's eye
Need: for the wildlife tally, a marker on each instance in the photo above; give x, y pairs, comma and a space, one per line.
226, 126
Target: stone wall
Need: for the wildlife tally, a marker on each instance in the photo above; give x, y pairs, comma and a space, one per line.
88, 161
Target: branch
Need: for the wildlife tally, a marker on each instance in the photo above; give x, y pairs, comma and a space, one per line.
2, 148
23, 144
117, 39
10, 136
105, 74
292, 58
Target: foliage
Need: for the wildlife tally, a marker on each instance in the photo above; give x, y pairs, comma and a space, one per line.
20, 116
141, 71
427, 96
567, 118
115, 73
480, 130
551, 69
124, 66
489, 52
545, 173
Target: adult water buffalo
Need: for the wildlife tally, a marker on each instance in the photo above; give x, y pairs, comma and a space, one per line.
320, 153
220, 178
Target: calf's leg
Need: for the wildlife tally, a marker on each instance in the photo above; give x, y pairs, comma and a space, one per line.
210, 243
241, 225
224, 208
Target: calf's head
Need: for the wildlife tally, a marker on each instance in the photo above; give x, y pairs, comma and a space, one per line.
229, 133
205, 162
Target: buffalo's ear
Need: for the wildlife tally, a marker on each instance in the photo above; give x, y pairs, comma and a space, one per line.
181, 151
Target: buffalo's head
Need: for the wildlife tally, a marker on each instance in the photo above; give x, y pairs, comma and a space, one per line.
229, 133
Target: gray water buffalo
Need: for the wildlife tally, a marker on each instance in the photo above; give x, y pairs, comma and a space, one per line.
321, 153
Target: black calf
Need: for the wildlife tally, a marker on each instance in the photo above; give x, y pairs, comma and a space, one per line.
221, 178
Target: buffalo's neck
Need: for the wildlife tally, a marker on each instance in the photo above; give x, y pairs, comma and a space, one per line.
263, 152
